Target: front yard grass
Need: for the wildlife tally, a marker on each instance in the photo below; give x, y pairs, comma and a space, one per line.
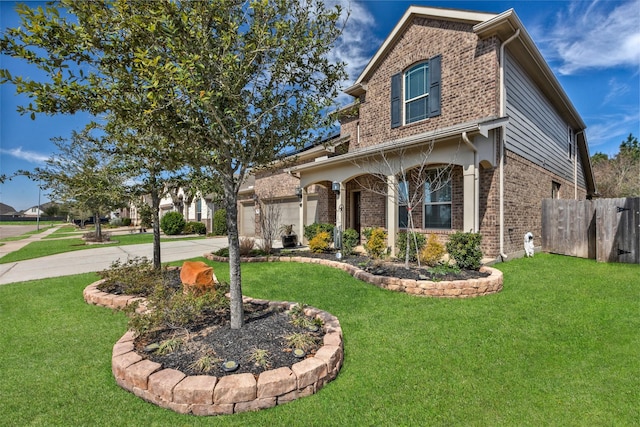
558, 346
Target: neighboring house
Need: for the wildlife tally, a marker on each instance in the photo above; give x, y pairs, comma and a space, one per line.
33, 212
8, 210
193, 207
475, 86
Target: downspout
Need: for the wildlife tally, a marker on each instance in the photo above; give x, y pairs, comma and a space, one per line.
503, 138
575, 163
476, 183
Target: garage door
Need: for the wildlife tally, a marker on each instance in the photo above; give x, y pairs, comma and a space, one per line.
247, 221
290, 211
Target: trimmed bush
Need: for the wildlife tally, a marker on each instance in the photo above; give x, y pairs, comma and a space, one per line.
220, 222
432, 252
349, 241
126, 222
172, 223
413, 238
194, 227
310, 231
464, 248
320, 242
376, 245
246, 246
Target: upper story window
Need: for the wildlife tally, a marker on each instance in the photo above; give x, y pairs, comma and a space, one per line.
415, 94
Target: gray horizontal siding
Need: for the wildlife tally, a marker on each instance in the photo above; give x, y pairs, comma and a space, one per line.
536, 131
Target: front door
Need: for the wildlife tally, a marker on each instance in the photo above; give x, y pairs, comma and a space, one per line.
355, 222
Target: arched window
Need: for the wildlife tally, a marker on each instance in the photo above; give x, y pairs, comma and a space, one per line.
416, 92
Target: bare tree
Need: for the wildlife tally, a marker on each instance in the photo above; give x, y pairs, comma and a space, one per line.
417, 178
270, 214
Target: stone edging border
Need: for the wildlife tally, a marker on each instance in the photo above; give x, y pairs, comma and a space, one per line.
209, 395
445, 289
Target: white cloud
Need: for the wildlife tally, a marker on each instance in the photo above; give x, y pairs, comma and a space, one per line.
616, 90
357, 41
595, 35
29, 156
606, 132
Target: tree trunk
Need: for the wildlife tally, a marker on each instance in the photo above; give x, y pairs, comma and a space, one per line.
96, 220
155, 209
231, 205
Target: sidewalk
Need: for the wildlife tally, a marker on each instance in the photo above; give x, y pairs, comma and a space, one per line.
96, 259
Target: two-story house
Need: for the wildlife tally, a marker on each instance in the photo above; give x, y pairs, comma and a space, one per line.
463, 92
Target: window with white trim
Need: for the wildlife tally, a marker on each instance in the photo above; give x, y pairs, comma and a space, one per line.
437, 201
416, 92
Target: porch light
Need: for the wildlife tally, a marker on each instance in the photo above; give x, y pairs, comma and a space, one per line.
336, 187
299, 193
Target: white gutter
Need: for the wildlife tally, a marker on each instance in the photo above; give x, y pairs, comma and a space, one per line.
476, 183
575, 164
503, 138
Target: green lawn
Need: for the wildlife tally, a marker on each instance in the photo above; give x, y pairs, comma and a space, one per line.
47, 247
558, 346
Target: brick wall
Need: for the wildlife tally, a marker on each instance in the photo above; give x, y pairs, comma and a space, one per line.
469, 80
525, 187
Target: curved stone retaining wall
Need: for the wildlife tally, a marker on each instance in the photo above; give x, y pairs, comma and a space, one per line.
209, 395
446, 289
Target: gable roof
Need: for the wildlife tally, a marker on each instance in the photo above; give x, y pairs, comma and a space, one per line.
485, 25
6, 209
454, 15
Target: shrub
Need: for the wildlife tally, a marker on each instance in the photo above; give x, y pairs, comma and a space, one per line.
246, 246
432, 252
413, 238
134, 277
172, 223
171, 308
464, 248
220, 222
223, 252
126, 222
310, 231
195, 228
376, 244
366, 232
320, 243
349, 241
115, 222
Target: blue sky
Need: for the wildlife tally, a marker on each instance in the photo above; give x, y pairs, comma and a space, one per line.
592, 46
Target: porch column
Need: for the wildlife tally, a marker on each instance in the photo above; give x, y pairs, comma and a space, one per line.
341, 200
469, 197
392, 212
303, 216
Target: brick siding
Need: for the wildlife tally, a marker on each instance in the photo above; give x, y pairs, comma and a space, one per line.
469, 80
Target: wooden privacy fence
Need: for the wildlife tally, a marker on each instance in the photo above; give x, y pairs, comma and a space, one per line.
607, 230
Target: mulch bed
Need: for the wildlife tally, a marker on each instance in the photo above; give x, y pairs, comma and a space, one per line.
393, 269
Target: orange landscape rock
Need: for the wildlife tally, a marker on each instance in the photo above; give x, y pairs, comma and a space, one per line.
197, 277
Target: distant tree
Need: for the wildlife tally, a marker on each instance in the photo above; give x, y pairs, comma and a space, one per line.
84, 176
619, 176
52, 209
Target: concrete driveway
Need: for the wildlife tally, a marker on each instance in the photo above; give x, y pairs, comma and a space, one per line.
97, 259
